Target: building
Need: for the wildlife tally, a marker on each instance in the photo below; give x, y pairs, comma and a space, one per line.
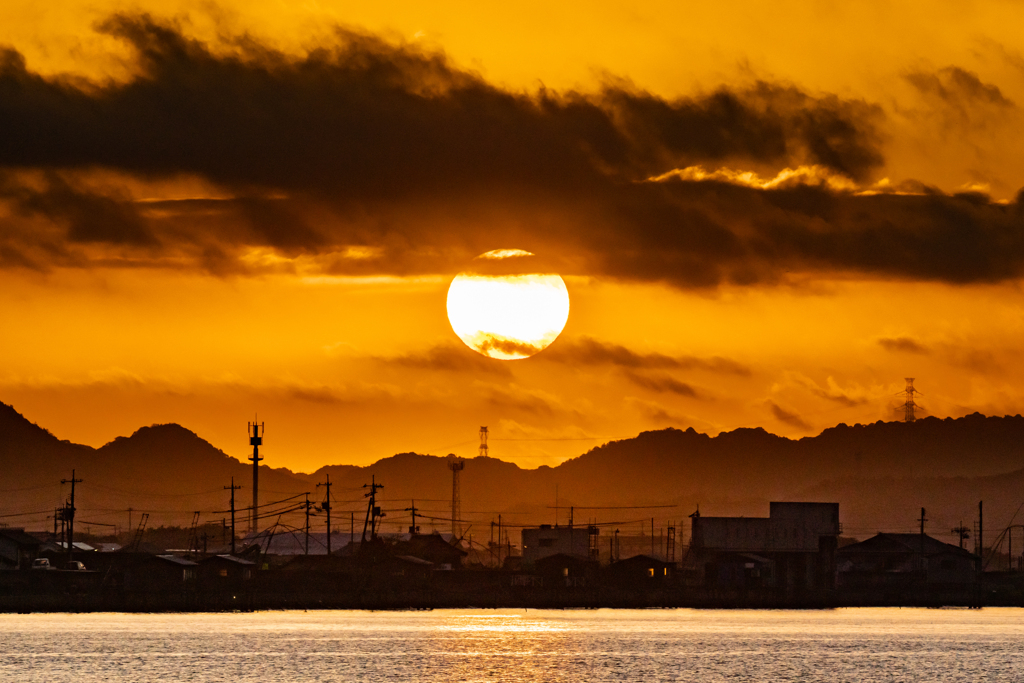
904, 560
546, 540
639, 571
794, 548
225, 571
571, 571
432, 548
158, 573
17, 548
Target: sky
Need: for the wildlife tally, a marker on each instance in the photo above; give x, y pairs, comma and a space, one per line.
765, 215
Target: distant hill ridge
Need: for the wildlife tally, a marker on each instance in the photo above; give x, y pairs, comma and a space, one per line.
879, 472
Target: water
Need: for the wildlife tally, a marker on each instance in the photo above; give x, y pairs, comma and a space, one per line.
513, 645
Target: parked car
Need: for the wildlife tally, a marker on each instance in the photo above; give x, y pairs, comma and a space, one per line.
41, 563
75, 566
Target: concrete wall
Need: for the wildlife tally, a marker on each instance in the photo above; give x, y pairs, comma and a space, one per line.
547, 541
790, 527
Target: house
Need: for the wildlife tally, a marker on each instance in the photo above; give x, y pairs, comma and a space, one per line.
569, 570
903, 560
432, 548
794, 548
17, 548
639, 570
158, 573
225, 572
546, 540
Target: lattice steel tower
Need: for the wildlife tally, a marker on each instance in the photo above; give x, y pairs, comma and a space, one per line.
909, 405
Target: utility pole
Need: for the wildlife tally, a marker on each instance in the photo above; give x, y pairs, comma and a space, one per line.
963, 532
130, 510
981, 535
326, 507
233, 488
255, 431
70, 514
372, 510
413, 530
307, 523
922, 521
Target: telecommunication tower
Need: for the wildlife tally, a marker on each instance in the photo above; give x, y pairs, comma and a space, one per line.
909, 405
456, 465
256, 430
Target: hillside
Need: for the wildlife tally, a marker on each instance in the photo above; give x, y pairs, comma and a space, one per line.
881, 474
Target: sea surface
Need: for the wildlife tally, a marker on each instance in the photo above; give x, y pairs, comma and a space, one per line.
516, 645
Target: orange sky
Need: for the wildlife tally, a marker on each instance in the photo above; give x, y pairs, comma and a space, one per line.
196, 249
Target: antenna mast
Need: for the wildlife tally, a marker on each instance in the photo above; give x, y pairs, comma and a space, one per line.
256, 431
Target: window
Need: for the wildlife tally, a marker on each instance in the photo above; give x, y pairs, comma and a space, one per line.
565, 571
651, 572
547, 543
224, 572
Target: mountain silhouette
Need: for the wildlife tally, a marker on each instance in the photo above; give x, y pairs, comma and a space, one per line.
880, 473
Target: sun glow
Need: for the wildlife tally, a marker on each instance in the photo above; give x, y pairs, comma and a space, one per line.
508, 316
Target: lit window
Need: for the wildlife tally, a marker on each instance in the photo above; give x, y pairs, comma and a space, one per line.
651, 571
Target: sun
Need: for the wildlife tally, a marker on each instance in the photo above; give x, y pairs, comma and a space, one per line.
505, 308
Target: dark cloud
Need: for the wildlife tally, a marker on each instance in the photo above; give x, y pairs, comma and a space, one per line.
451, 358
782, 415
662, 383
523, 401
656, 413
89, 217
588, 351
511, 347
905, 344
371, 144
837, 396
976, 360
364, 117
958, 88
321, 395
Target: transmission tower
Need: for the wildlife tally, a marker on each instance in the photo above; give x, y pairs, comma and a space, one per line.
909, 405
456, 465
256, 430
